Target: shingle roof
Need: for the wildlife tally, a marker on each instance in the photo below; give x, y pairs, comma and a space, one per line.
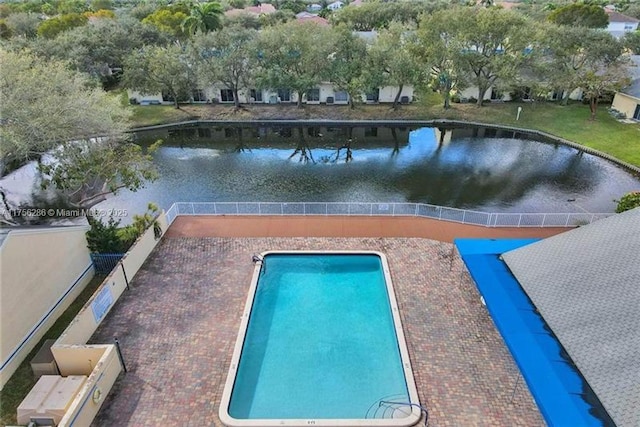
586, 285
619, 17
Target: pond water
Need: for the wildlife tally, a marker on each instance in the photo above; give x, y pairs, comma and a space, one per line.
474, 168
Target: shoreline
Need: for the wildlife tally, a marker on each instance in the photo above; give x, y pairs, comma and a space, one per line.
393, 122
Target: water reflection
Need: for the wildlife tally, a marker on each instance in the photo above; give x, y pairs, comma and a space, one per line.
475, 168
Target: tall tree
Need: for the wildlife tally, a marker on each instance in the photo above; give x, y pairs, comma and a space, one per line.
58, 24
347, 63
580, 14
572, 53
492, 45
438, 52
391, 62
293, 56
47, 108
169, 20
161, 69
227, 56
204, 17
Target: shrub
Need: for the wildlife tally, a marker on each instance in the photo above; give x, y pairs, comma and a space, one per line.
628, 201
110, 238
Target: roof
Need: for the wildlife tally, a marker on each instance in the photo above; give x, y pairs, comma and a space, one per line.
619, 17
584, 283
264, 8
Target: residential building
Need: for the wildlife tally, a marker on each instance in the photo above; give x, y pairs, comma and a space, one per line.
620, 24
627, 101
335, 5
262, 9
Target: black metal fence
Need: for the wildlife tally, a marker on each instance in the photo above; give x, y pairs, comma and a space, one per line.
104, 263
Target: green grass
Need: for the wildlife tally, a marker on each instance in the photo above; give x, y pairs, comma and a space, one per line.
150, 115
23, 380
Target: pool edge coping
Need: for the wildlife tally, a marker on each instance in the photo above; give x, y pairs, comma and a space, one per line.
414, 415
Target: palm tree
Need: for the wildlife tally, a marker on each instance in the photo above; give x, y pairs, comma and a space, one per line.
205, 17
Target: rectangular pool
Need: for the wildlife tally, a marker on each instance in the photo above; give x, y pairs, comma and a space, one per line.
320, 343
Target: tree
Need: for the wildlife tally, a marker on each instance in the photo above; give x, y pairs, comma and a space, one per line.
160, 69
50, 109
227, 56
580, 14
71, 6
87, 170
97, 5
491, 44
377, 15
23, 24
243, 19
292, 56
296, 6
631, 41
204, 17
391, 62
101, 46
573, 54
58, 24
347, 63
168, 20
439, 52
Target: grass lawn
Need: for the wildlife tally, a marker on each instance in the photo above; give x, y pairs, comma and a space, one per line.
571, 122
23, 380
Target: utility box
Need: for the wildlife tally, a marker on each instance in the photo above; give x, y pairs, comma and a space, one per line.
43, 363
49, 399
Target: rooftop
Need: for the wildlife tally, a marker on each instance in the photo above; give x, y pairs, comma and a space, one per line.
584, 283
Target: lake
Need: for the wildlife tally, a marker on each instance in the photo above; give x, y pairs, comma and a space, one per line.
474, 168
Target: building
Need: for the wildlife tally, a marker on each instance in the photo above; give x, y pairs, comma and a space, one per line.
627, 101
335, 6
620, 24
324, 93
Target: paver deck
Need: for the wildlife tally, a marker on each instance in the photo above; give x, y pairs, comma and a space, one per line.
178, 324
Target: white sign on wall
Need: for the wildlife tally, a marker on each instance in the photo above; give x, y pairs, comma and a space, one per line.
102, 303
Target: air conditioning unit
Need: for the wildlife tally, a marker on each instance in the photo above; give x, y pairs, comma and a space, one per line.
329, 99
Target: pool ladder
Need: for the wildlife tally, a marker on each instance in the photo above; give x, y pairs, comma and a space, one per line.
387, 408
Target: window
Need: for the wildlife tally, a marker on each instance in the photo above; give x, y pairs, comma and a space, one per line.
628, 27
313, 95
341, 96
495, 94
636, 114
284, 95
226, 95
166, 97
256, 95
371, 132
199, 95
373, 95
229, 132
314, 131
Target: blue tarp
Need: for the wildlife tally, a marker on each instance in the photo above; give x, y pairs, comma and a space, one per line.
556, 386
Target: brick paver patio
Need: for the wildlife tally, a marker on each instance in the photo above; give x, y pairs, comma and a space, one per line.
178, 324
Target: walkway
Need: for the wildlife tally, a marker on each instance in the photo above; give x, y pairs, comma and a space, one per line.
178, 324
342, 226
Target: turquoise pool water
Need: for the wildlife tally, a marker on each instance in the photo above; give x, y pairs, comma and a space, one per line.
321, 341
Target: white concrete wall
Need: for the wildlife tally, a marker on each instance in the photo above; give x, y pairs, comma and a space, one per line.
620, 26
41, 272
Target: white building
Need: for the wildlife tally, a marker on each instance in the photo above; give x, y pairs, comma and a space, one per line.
324, 93
335, 5
620, 24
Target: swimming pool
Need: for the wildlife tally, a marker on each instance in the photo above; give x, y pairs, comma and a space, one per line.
320, 343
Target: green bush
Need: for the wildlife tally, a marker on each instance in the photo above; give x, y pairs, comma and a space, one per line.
628, 201
110, 238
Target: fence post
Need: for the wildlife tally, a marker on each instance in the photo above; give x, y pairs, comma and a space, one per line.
126, 280
115, 339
